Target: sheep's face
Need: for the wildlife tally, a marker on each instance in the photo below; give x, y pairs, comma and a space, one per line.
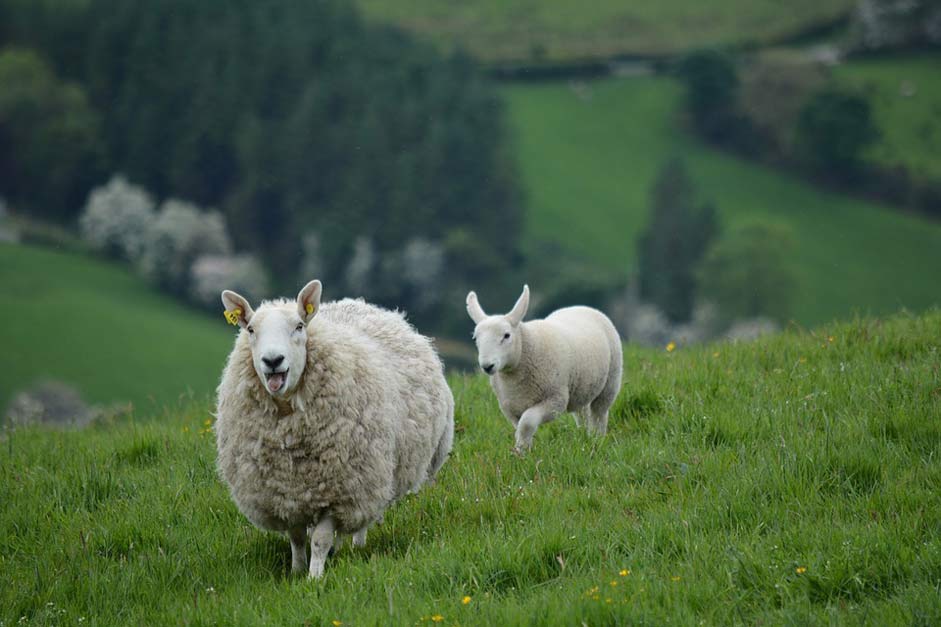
278, 337
498, 337
277, 334
498, 344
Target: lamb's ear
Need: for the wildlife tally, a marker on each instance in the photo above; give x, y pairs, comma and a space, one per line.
519, 309
237, 309
308, 301
473, 308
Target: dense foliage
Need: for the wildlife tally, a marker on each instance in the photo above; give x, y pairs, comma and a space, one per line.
677, 235
293, 118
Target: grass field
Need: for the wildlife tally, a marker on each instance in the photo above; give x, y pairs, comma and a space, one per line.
906, 96
789, 481
556, 30
102, 329
614, 135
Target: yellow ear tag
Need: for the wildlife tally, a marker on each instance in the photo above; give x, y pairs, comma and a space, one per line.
232, 315
310, 308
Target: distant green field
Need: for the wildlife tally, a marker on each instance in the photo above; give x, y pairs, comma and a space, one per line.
906, 94
559, 30
588, 161
791, 481
102, 329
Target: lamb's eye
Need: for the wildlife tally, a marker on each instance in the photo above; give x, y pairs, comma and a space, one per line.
506, 336
299, 327
251, 330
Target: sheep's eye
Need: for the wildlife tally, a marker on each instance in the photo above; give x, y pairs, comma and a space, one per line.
506, 336
299, 327
251, 330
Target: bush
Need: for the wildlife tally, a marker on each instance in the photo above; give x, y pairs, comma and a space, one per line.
897, 24
213, 273
712, 86
774, 88
748, 273
673, 243
117, 218
180, 234
50, 145
834, 128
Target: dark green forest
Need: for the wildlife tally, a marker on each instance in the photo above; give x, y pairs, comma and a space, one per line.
292, 118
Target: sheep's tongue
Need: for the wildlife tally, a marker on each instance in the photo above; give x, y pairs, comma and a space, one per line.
275, 381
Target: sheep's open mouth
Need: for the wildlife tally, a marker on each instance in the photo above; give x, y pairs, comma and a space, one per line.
276, 380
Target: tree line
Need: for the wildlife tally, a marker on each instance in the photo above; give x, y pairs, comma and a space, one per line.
306, 127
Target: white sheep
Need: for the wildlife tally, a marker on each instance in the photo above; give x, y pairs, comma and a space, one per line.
326, 416
570, 361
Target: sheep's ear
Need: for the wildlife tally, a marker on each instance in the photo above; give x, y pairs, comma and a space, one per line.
237, 309
473, 308
308, 300
519, 309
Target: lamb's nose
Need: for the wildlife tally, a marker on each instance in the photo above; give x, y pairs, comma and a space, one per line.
273, 362
488, 368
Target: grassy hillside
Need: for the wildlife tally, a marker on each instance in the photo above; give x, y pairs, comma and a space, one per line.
906, 94
615, 134
789, 481
101, 328
557, 30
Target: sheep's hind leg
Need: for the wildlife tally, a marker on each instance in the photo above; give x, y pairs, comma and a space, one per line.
298, 537
321, 541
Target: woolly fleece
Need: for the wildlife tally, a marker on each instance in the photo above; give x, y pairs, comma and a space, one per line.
372, 419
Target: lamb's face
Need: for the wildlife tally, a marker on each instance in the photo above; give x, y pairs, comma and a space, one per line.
498, 338
498, 344
278, 338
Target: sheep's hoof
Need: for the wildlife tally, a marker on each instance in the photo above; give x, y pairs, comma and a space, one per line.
316, 570
518, 451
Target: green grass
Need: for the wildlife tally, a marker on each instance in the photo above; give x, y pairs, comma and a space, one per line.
587, 166
788, 481
906, 96
560, 31
102, 329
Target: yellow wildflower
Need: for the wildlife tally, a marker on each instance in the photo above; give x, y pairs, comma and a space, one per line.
830, 339
232, 315
802, 360
607, 600
613, 583
437, 618
715, 354
671, 347
186, 429
207, 422
465, 600
337, 623
675, 578
624, 572
800, 570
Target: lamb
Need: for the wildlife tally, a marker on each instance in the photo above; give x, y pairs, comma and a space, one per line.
326, 416
570, 361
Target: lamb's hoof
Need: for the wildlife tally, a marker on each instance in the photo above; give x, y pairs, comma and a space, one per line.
518, 451
359, 539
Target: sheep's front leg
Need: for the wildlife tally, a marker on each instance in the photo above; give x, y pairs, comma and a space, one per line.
359, 538
530, 421
298, 537
321, 540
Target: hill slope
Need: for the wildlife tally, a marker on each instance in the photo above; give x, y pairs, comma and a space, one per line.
615, 134
102, 329
793, 480
560, 31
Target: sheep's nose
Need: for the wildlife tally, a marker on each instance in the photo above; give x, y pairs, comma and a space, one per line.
488, 368
273, 362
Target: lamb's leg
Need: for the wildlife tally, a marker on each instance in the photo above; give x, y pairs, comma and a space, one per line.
298, 537
530, 421
321, 540
359, 538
